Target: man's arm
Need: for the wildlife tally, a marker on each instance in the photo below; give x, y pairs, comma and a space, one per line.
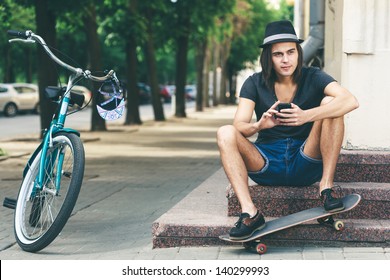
243, 118
342, 103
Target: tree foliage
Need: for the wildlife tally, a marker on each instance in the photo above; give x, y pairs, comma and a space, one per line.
249, 34
154, 42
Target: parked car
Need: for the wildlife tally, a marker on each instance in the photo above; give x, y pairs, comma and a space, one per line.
165, 93
18, 97
171, 89
145, 95
190, 92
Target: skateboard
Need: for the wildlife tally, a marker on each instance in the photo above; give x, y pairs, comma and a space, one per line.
323, 217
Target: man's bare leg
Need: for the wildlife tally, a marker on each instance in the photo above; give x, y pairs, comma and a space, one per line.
238, 155
325, 142
331, 140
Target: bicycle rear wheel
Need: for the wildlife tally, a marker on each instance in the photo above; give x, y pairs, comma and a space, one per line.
41, 213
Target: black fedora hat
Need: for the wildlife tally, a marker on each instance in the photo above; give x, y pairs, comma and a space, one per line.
280, 31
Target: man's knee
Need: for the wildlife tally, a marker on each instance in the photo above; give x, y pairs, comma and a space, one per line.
326, 100
225, 134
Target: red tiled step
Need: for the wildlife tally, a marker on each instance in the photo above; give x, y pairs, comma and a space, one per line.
356, 233
201, 217
363, 166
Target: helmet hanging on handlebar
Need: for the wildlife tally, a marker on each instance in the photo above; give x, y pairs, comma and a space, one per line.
110, 100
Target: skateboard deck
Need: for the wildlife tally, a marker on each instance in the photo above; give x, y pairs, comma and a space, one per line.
319, 213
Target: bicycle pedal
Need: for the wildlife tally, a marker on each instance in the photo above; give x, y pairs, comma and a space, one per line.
9, 203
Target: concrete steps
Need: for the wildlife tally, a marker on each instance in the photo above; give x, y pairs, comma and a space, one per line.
282, 201
209, 211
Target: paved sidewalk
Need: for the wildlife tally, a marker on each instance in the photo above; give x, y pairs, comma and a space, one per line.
133, 176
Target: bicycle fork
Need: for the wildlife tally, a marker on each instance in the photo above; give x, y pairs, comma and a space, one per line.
52, 168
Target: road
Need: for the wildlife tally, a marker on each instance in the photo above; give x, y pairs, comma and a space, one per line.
28, 124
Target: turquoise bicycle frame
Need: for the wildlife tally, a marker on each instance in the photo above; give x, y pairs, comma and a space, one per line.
56, 126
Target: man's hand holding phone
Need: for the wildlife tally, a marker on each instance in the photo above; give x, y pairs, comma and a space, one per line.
280, 107
290, 114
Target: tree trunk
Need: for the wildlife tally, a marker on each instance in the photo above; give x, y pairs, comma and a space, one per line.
216, 73
94, 51
206, 77
200, 58
47, 74
6, 62
152, 67
132, 115
181, 76
232, 88
28, 70
181, 59
9, 76
222, 96
225, 50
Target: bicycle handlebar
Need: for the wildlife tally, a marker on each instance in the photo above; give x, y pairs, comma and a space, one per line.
18, 34
29, 37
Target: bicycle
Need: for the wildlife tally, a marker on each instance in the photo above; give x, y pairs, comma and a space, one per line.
54, 174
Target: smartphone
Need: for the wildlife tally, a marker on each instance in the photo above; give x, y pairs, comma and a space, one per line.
283, 106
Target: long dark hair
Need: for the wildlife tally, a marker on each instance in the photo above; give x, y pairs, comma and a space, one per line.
269, 75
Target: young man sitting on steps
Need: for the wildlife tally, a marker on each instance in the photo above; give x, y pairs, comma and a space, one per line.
297, 146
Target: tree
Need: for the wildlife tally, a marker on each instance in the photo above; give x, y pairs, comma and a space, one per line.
204, 21
234, 26
248, 34
93, 47
47, 13
47, 74
125, 27
183, 14
150, 54
146, 39
5, 24
133, 116
18, 59
192, 18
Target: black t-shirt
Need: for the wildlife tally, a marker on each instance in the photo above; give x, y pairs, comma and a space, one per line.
309, 94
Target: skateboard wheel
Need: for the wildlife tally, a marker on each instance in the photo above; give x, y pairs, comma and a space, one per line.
261, 248
338, 225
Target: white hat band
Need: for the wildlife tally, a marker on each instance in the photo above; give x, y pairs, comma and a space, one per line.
280, 36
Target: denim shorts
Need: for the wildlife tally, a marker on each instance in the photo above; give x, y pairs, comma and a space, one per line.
286, 164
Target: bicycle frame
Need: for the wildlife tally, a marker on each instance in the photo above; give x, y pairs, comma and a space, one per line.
56, 126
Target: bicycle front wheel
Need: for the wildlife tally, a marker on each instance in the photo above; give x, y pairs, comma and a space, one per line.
42, 210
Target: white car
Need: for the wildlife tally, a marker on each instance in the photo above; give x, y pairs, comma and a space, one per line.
18, 97
190, 92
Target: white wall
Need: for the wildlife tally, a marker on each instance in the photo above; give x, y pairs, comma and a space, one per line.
357, 53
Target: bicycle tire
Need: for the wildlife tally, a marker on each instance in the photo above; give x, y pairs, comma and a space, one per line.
40, 215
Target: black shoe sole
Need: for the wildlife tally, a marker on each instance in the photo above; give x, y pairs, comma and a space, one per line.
247, 236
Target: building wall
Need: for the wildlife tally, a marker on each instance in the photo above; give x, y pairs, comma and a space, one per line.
357, 54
